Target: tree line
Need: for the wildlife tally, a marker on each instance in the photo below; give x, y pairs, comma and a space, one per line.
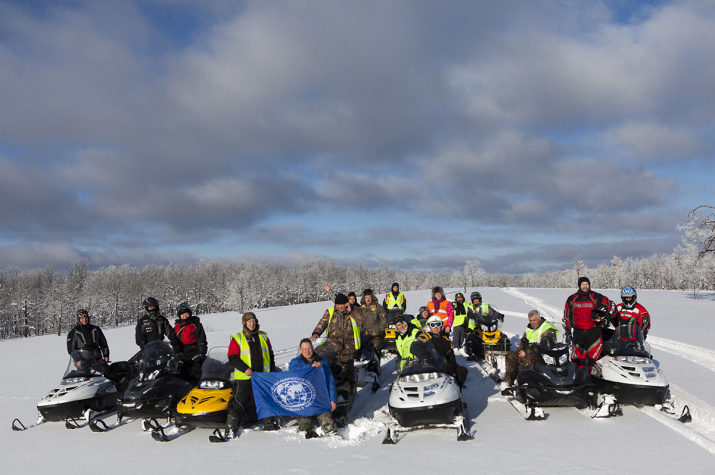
44, 301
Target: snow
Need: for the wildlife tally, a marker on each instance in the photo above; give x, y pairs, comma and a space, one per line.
642, 441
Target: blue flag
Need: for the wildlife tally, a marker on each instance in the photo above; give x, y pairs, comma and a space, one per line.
291, 393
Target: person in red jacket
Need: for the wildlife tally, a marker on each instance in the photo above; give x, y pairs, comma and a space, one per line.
630, 309
192, 342
585, 315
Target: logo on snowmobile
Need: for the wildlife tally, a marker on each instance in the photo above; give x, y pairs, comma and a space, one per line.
293, 394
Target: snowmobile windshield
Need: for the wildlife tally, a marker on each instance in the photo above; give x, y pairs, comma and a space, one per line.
82, 366
156, 361
216, 371
489, 322
413, 366
554, 354
628, 341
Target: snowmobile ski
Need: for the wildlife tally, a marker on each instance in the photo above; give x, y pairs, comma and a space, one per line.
218, 437
18, 426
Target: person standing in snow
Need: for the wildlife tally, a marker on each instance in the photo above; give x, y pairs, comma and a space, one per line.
341, 323
249, 352
586, 313
153, 326
441, 307
394, 300
373, 331
308, 357
85, 336
629, 309
192, 338
460, 323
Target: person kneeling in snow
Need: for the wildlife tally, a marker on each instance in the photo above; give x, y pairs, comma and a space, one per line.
309, 358
538, 330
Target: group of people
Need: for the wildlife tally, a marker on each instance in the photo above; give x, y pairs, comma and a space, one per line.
437, 334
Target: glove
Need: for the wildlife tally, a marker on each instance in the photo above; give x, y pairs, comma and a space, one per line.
501, 317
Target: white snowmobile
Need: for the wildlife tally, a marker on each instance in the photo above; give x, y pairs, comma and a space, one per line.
627, 370
423, 396
84, 391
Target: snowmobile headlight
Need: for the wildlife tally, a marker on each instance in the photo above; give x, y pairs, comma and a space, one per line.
418, 378
212, 384
563, 359
632, 359
74, 380
548, 359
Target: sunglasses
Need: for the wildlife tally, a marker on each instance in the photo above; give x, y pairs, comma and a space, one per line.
435, 324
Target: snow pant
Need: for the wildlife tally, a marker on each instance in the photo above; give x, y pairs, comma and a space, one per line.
458, 337
474, 345
587, 346
514, 362
241, 407
347, 369
375, 341
325, 420
460, 374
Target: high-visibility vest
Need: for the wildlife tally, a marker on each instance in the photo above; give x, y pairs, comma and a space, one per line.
403, 344
391, 301
534, 335
441, 312
484, 311
246, 353
459, 318
356, 328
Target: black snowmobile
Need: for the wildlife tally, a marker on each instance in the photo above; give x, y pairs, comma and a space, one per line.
554, 380
157, 388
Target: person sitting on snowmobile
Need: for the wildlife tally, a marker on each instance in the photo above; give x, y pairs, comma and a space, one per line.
586, 313
192, 338
373, 331
249, 352
443, 346
537, 331
154, 326
630, 309
407, 332
342, 323
85, 336
308, 357
476, 311
395, 299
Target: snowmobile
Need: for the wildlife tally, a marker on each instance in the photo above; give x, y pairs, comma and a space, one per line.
157, 387
367, 365
84, 388
554, 380
423, 396
488, 342
205, 406
627, 370
326, 349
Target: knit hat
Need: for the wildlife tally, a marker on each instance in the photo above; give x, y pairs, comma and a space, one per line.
247, 316
341, 299
582, 280
367, 292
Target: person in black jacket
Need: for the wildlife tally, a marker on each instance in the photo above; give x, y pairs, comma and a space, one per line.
192, 340
443, 346
85, 336
154, 326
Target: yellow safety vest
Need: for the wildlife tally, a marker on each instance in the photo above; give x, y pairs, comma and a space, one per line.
485, 311
391, 301
356, 328
246, 353
459, 319
403, 344
534, 336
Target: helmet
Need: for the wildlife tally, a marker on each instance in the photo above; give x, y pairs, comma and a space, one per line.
151, 302
434, 321
82, 313
459, 294
183, 308
400, 319
629, 292
475, 295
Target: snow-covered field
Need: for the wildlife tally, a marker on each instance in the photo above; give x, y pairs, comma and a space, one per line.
566, 442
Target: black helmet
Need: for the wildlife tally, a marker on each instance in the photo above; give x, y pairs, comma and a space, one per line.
459, 294
151, 302
82, 313
475, 295
183, 308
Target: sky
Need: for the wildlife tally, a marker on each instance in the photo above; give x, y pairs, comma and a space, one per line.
415, 135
